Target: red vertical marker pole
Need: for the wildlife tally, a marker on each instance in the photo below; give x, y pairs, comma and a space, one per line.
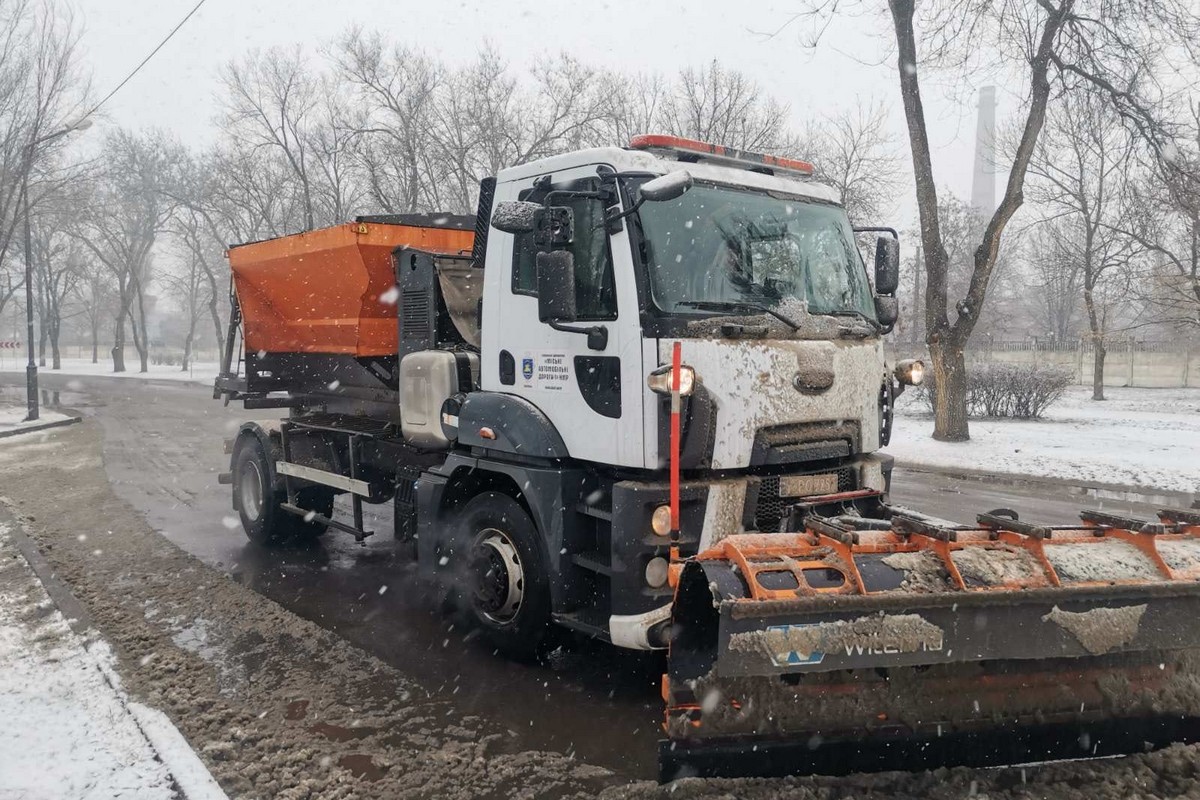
676, 403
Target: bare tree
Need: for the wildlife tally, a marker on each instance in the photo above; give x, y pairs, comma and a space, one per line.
397, 88
852, 151
1054, 278
723, 106
281, 116
96, 299
1059, 46
1080, 169
42, 90
1163, 217
129, 208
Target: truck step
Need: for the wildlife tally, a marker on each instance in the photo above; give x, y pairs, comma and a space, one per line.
592, 561
594, 511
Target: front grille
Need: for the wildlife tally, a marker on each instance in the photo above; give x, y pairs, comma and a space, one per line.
800, 442
770, 509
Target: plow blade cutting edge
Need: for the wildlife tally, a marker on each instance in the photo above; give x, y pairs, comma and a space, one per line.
906, 643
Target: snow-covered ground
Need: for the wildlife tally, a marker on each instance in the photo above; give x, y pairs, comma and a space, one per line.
1148, 438
12, 418
203, 372
68, 729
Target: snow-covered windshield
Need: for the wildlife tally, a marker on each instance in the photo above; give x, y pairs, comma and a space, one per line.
720, 245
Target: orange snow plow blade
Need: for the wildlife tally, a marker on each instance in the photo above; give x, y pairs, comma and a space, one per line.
877, 638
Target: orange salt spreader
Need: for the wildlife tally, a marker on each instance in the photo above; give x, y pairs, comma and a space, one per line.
332, 290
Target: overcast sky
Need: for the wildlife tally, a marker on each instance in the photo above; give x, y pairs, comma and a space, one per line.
175, 90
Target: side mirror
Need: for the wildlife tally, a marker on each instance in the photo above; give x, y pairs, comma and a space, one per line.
516, 216
666, 187
887, 309
556, 286
887, 265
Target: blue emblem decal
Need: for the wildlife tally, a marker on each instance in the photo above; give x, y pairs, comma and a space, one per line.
527, 368
793, 658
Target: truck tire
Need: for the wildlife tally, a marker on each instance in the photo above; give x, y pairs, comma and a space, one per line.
507, 592
255, 498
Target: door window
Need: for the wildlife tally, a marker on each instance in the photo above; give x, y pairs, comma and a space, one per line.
595, 291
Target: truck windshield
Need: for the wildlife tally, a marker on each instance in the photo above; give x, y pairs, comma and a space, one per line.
720, 245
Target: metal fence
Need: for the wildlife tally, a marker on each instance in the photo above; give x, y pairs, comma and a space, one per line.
1128, 362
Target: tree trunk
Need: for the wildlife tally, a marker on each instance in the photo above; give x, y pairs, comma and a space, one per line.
950, 391
43, 336
118, 349
1096, 326
142, 342
96, 340
187, 344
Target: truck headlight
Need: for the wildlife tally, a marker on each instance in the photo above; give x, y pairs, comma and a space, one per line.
659, 381
660, 520
910, 372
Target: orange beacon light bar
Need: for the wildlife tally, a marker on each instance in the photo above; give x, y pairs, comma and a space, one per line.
719, 153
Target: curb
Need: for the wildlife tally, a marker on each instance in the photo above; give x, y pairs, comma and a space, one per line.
1098, 491
58, 423
188, 773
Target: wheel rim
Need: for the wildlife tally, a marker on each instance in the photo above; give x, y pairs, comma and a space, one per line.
499, 576
250, 491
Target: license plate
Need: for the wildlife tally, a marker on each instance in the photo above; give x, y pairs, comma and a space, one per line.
808, 485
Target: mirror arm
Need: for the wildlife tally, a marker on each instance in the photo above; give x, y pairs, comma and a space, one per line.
879, 229
597, 334
612, 219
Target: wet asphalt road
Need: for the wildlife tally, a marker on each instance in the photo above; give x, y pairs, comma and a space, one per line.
163, 449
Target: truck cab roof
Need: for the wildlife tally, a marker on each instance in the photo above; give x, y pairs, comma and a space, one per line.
624, 159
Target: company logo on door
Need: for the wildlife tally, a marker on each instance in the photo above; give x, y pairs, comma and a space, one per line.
548, 371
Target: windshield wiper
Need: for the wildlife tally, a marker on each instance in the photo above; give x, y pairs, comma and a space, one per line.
854, 312
734, 305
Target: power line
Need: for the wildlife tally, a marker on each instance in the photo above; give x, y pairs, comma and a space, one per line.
136, 69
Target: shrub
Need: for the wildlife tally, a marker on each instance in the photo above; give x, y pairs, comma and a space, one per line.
1018, 391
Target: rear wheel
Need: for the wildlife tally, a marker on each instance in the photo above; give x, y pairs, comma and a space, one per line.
507, 591
254, 497
259, 503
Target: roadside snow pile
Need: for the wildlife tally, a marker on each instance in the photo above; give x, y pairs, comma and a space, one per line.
203, 372
1146, 438
67, 732
12, 418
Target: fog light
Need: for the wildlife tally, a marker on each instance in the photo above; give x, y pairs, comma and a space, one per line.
656, 572
659, 381
660, 520
910, 372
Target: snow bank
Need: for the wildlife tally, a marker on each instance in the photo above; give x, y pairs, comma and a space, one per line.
67, 730
1147, 438
12, 418
203, 372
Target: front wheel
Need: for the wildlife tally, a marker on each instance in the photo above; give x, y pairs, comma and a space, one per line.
507, 590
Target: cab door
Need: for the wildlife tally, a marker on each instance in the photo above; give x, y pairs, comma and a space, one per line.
593, 396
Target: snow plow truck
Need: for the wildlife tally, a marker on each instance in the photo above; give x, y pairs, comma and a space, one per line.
640, 395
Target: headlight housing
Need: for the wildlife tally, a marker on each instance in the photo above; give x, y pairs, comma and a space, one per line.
910, 372
659, 381
660, 520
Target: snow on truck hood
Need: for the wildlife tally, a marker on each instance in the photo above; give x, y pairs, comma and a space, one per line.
623, 160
